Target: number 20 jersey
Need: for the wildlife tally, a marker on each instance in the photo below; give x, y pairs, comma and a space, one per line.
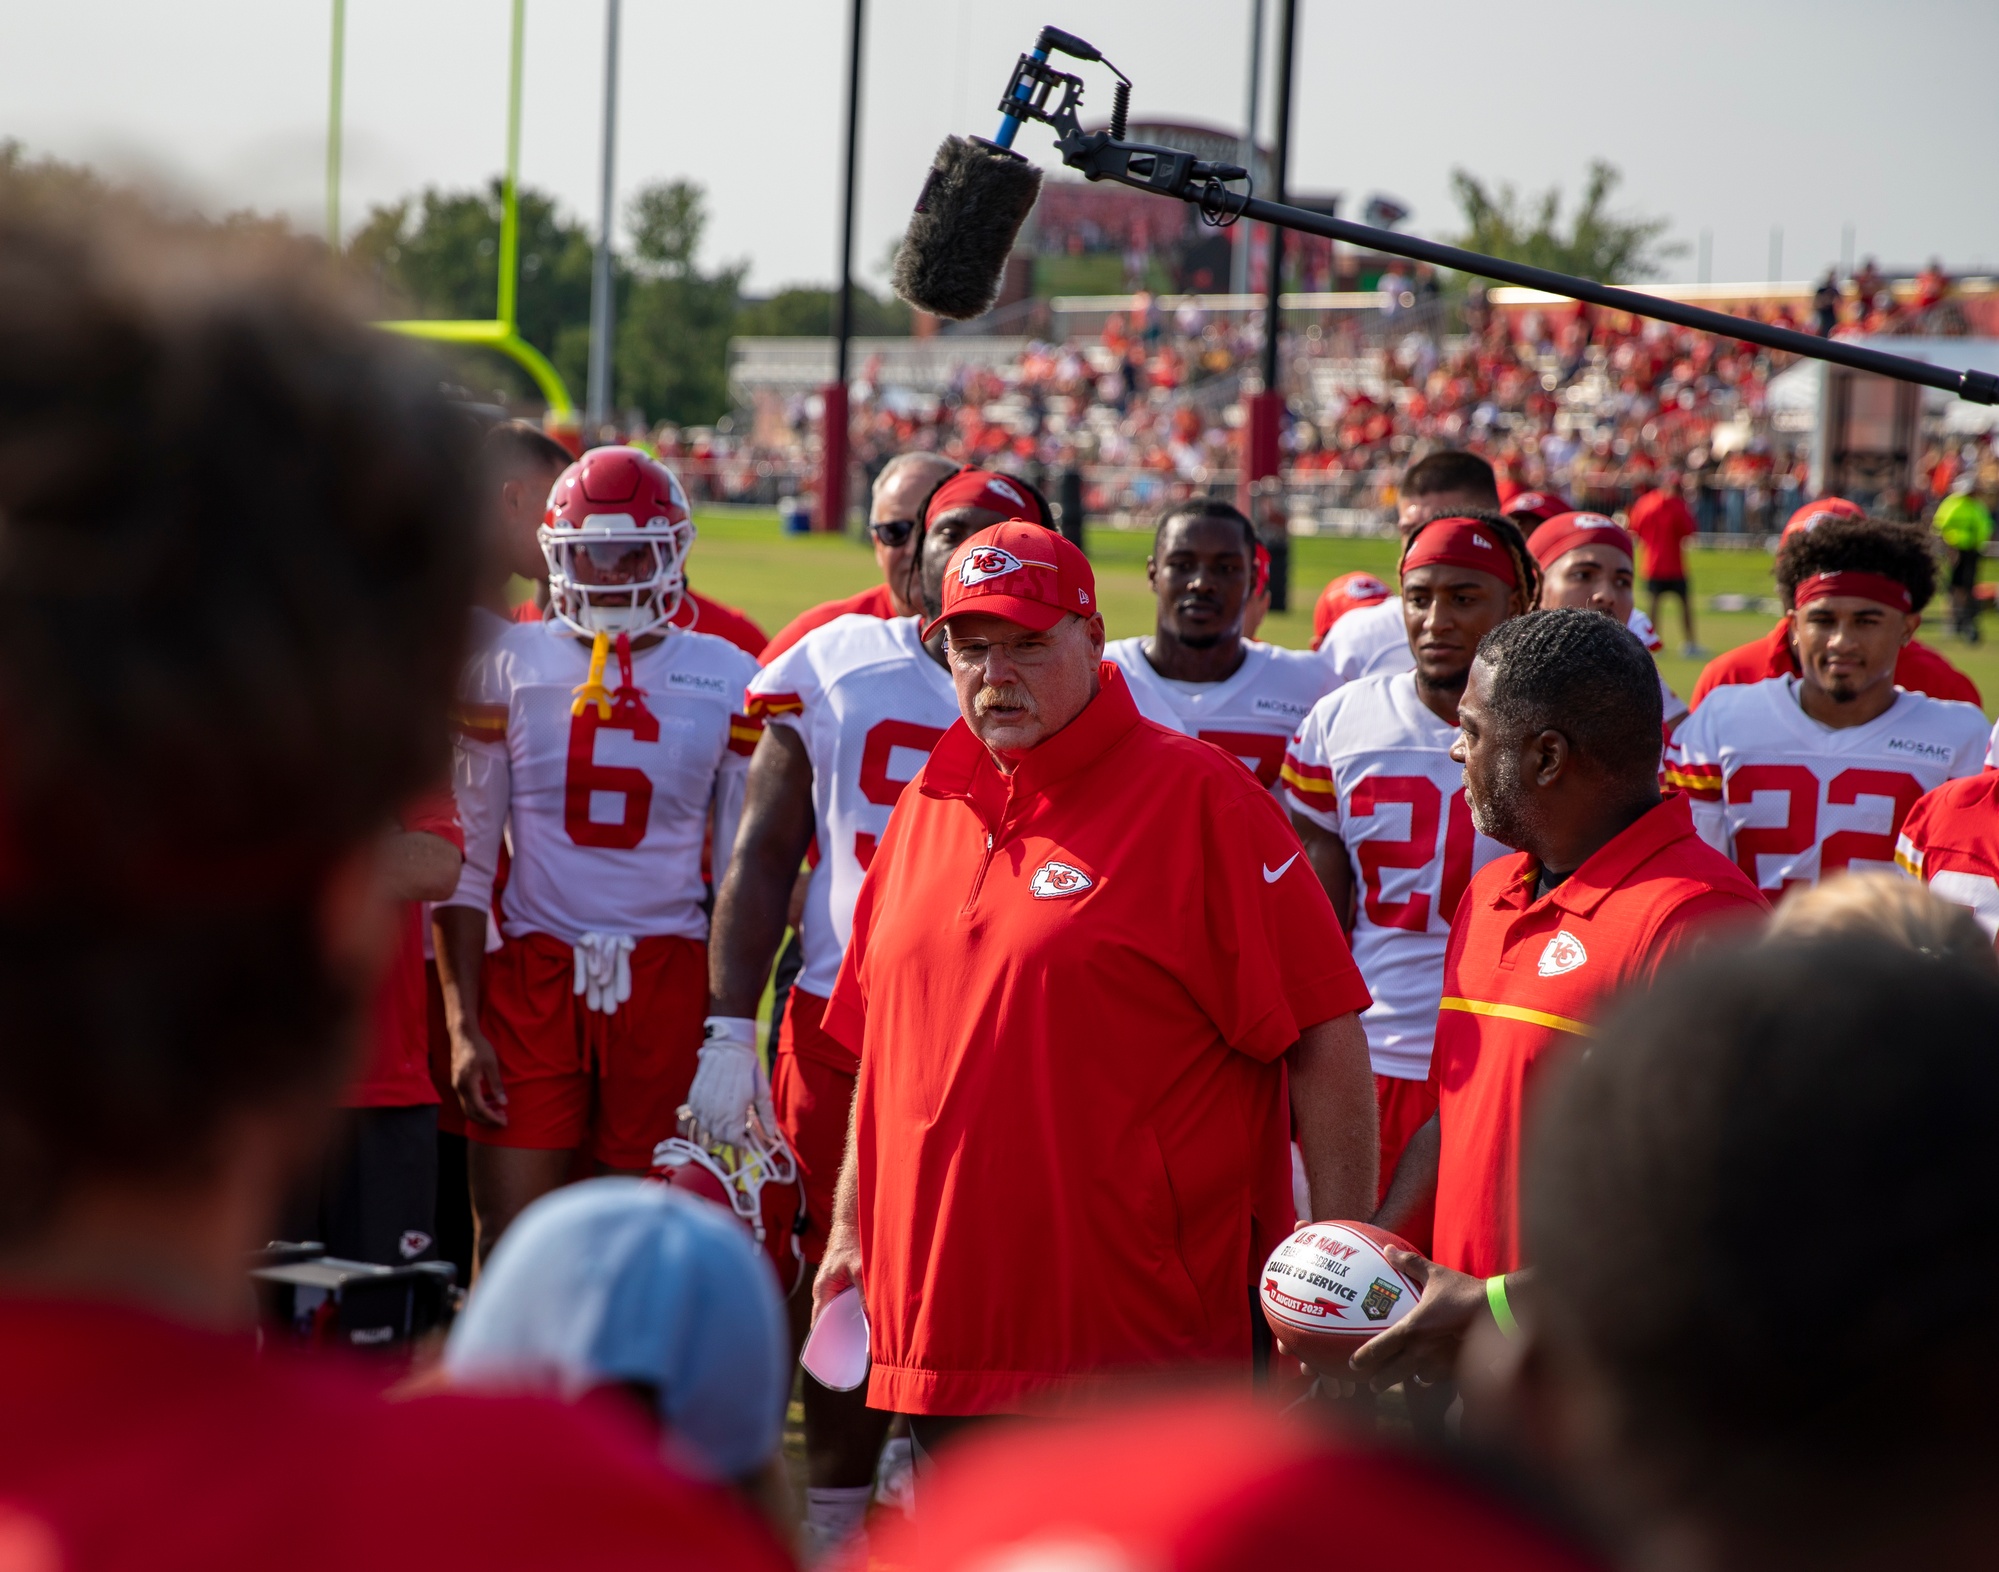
1372, 765
1794, 801
869, 703
607, 815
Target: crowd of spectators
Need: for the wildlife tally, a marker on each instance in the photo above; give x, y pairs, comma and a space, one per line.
1591, 404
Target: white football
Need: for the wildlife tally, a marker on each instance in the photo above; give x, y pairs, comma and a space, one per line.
1329, 1288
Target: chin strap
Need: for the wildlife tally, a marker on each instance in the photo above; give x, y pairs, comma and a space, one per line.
593, 690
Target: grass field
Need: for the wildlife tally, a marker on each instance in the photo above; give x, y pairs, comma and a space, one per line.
744, 560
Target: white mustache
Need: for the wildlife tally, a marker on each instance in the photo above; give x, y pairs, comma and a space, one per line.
1008, 696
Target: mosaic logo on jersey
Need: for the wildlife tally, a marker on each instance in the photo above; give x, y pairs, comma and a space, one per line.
1921, 750
1284, 707
694, 679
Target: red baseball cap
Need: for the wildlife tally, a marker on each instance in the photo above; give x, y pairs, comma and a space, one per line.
1822, 508
1538, 505
1019, 571
1564, 532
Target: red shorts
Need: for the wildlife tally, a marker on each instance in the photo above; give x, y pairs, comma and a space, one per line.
812, 1089
450, 1117
578, 1078
1405, 1107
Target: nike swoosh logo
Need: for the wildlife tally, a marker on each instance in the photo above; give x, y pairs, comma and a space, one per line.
1272, 875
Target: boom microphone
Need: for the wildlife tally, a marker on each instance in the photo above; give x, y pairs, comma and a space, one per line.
952, 260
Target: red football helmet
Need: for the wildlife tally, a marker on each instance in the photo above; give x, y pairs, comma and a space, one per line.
758, 1181
616, 536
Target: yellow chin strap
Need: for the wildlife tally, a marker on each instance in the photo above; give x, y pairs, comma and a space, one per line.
593, 690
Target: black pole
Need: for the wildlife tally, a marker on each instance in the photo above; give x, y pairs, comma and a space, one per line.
1287, 28
843, 320
1978, 387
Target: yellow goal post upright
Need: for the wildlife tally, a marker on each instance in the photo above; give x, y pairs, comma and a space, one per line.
502, 333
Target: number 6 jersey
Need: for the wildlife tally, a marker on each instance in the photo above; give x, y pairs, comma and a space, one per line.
1794, 801
869, 704
608, 813
1372, 764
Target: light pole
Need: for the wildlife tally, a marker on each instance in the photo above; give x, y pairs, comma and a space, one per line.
333, 129
833, 427
1239, 283
603, 305
1265, 502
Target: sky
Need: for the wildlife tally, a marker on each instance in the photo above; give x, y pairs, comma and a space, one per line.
1730, 116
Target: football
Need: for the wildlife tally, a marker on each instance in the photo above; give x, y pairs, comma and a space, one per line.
1329, 1288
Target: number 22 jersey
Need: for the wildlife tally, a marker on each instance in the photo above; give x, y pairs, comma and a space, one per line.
1372, 764
1794, 801
869, 703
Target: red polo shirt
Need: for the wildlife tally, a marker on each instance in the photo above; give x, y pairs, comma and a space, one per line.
1070, 990
1918, 668
1523, 978
1662, 523
876, 602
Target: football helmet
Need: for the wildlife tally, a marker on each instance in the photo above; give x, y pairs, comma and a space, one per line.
758, 1181
616, 535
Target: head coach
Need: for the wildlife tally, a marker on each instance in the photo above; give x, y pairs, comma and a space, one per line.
1085, 957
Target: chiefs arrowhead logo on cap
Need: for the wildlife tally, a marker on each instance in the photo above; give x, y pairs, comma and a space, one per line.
1053, 880
1564, 953
1528, 500
988, 562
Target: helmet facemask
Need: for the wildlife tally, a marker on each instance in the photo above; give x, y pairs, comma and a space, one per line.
612, 575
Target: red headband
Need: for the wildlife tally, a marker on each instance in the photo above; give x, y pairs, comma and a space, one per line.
1563, 534
1863, 586
1462, 543
981, 488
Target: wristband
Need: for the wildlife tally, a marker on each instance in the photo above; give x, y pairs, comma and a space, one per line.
737, 1031
1495, 1301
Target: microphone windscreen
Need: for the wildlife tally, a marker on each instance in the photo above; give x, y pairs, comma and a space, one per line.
952, 260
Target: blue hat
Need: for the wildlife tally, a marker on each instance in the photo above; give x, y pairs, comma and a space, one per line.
617, 1280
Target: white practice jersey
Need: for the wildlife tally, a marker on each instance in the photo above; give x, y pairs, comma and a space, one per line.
869, 703
607, 816
1793, 801
1250, 714
1373, 766
1369, 641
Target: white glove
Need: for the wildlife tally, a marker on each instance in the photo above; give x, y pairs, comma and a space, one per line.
728, 1080
604, 970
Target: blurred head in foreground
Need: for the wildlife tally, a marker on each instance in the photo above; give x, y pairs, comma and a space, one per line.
1884, 906
1205, 1484
1765, 1208
236, 526
631, 1286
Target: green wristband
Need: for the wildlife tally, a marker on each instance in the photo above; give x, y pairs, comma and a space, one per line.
1495, 1301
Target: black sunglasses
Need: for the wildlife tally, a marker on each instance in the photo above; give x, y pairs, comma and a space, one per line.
893, 532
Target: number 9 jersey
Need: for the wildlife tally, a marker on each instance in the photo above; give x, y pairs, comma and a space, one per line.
608, 812
869, 703
1372, 764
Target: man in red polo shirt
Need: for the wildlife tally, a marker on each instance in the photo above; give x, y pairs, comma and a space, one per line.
1559, 735
895, 522
1918, 668
1085, 956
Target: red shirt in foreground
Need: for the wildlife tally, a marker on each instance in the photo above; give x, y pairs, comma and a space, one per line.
1070, 991
1662, 523
129, 1442
695, 611
1522, 979
1918, 668
876, 602
397, 1072
1208, 1485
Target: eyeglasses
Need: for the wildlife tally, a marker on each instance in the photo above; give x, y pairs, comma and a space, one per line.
893, 533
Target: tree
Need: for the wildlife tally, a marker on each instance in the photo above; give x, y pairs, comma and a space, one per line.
675, 322
803, 310
1599, 245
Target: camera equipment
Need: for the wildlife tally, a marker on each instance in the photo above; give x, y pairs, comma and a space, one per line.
954, 255
310, 1299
